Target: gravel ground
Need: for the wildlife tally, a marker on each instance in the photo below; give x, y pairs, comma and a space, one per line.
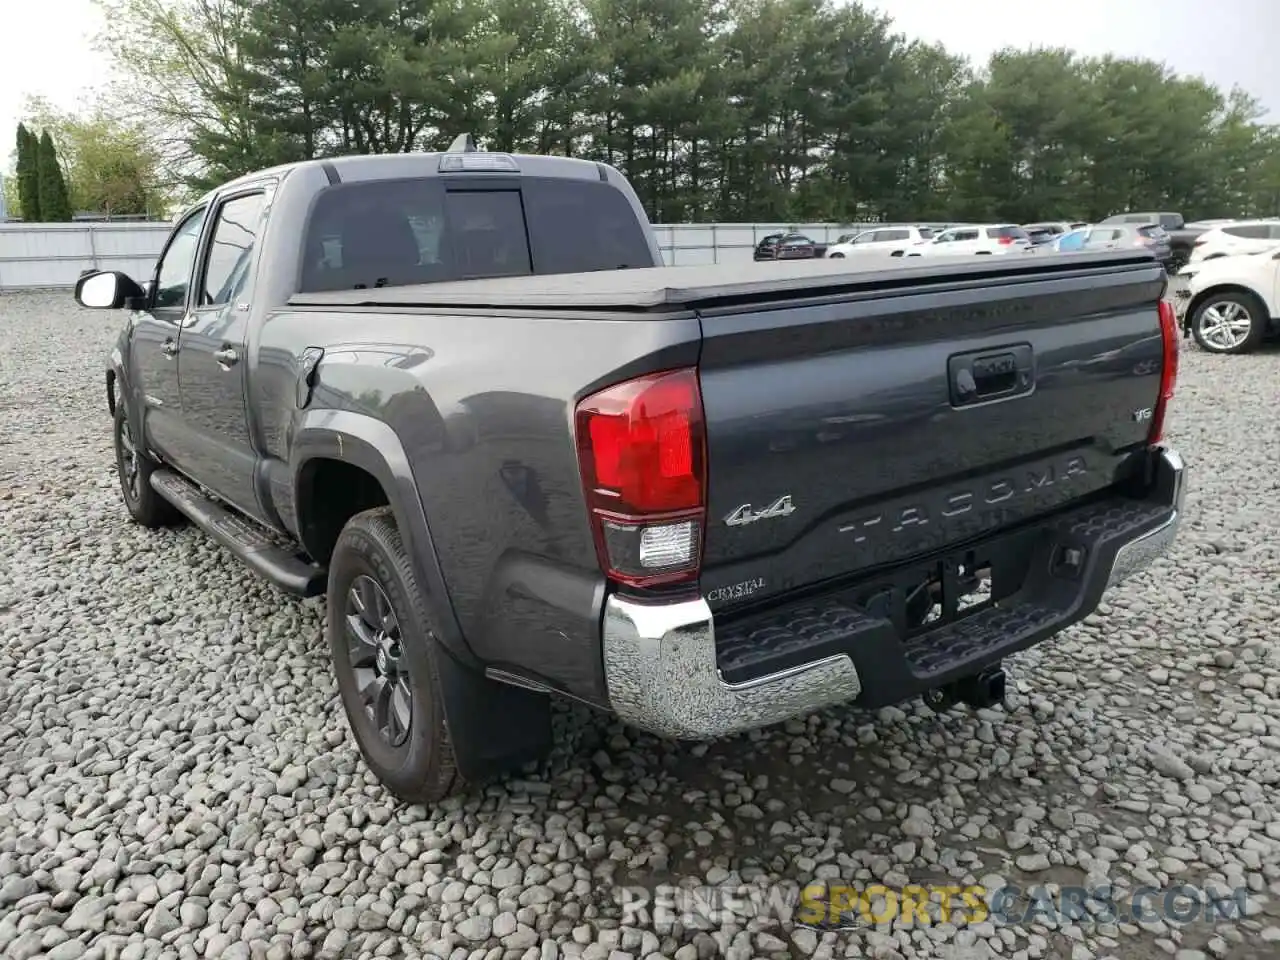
176, 779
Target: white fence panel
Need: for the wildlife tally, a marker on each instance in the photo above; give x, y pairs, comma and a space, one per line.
39, 255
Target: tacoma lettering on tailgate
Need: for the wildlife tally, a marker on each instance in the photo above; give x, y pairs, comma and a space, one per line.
1003, 490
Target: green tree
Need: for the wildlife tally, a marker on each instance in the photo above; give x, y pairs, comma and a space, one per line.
780, 110
27, 176
113, 166
12, 199
55, 203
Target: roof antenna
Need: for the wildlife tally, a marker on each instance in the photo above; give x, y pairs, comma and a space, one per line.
463, 143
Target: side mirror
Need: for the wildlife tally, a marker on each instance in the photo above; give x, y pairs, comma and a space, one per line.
106, 290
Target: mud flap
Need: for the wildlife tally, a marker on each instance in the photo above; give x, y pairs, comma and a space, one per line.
495, 727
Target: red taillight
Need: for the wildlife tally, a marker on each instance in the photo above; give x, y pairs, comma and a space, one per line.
642, 451
1168, 371
1005, 241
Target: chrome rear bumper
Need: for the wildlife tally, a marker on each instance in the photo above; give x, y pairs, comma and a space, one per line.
660, 660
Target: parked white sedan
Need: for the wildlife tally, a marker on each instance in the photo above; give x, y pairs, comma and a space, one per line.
984, 238
1244, 236
888, 241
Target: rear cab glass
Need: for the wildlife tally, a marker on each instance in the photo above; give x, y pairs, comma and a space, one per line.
1153, 231
378, 233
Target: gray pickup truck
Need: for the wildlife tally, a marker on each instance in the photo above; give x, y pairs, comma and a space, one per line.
458, 394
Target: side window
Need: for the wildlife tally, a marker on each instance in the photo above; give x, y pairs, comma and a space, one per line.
966, 234
945, 237
1274, 231
868, 237
174, 275
1251, 231
231, 249
892, 236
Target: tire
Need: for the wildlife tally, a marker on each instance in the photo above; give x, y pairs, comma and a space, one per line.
414, 759
1229, 322
836, 256
133, 469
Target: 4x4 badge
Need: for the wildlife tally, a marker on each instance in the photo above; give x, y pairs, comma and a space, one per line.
782, 507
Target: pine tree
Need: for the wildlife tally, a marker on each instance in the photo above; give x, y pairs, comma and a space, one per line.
28, 176
55, 204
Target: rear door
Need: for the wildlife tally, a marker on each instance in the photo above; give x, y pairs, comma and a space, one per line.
965, 240
845, 436
893, 238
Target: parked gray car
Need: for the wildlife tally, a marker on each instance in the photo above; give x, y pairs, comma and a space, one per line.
1122, 236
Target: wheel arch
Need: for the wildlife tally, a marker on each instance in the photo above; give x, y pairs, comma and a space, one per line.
341, 443
1217, 289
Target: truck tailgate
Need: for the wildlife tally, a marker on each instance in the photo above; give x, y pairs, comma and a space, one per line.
860, 431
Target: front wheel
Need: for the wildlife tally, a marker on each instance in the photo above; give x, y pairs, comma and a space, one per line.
384, 654
1229, 323
835, 256
134, 468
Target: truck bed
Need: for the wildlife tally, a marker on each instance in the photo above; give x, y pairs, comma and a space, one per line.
658, 289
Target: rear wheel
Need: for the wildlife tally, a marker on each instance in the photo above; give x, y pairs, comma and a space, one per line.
385, 652
835, 256
1229, 323
134, 468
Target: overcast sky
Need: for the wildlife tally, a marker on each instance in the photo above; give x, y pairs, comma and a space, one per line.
1227, 41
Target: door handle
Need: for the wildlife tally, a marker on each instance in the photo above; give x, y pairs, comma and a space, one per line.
169, 348
991, 374
226, 356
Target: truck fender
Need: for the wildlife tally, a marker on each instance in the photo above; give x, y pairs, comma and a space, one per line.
495, 727
119, 388
372, 445
117, 382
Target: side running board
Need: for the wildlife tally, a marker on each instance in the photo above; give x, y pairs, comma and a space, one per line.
271, 558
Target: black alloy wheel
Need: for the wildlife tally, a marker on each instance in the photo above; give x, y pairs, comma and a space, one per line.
376, 656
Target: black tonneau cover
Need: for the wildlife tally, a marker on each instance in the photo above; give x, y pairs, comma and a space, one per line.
665, 288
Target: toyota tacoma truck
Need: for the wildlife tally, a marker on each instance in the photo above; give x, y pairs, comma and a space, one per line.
458, 395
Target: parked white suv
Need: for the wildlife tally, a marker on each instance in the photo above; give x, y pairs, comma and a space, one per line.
984, 238
1232, 304
893, 241
1245, 236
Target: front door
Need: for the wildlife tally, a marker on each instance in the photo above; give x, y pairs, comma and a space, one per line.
218, 447
154, 346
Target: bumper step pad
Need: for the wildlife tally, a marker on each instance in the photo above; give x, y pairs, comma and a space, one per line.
1098, 537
